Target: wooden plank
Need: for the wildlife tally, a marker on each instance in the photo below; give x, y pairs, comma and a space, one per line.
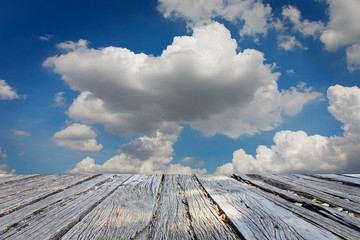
352, 175
334, 188
14, 218
255, 216
9, 178
307, 210
22, 193
331, 213
311, 191
345, 179
55, 220
126, 214
184, 212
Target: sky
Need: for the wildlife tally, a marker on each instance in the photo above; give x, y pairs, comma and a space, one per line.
179, 86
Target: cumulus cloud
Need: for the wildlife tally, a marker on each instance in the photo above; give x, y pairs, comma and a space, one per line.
289, 43
6, 92
296, 151
342, 30
255, 15
305, 27
147, 154
353, 57
198, 80
78, 137
21, 133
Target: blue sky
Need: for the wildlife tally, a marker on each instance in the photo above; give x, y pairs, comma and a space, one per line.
179, 86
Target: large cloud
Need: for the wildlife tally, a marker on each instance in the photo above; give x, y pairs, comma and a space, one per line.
255, 15
199, 80
296, 151
343, 30
6, 92
143, 155
78, 137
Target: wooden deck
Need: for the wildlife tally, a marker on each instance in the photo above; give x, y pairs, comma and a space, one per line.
179, 207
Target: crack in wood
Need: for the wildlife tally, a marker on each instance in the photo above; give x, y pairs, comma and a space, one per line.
45, 196
217, 208
322, 211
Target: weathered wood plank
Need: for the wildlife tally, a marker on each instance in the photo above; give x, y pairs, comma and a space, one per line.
171, 219
255, 216
293, 183
126, 214
308, 211
335, 188
331, 213
9, 178
55, 220
184, 212
22, 193
345, 179
352, 175
14, 218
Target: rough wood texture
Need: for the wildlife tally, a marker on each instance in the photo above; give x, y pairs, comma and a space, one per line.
255, 216
179, 207
126, 214
56, 219
353, 180
184, 212
317, 215
315, 190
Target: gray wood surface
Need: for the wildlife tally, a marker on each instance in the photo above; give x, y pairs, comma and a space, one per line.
16, 217
179, 207
184, 212
255, 216
26, 191
315, 190
305, 209
342, 178
55, 220
126, 214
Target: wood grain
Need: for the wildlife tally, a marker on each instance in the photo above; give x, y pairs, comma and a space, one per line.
309, 210
57, 219
16, 217
255, 216
126, 214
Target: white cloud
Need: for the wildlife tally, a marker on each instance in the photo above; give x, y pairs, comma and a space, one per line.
199, 80
255, 15
6, 92
305, 27
143, 155
71, 46
343, 28
59, 99
3, 170
296, 151
3, 156
345, 107
21, 133
289, 43
78, 137
353, 57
